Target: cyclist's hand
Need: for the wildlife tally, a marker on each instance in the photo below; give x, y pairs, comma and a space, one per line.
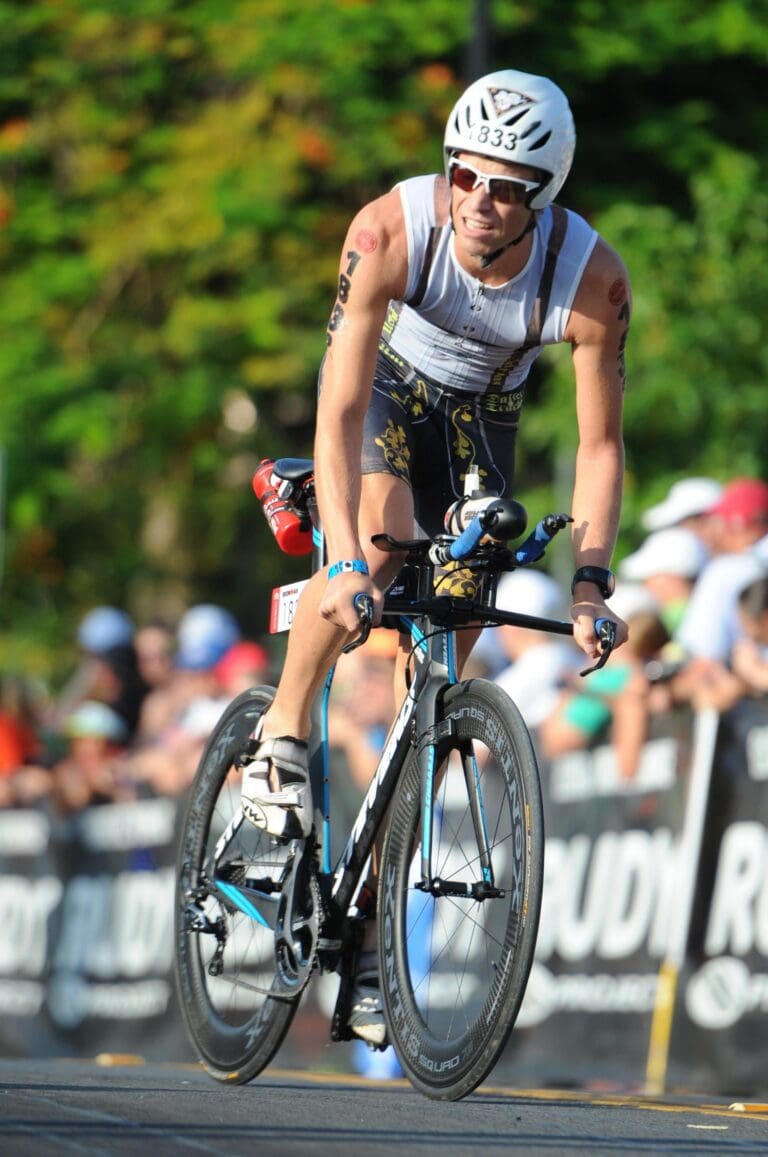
584, 615
337, 604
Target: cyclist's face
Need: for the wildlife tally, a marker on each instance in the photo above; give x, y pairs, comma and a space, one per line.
490, 214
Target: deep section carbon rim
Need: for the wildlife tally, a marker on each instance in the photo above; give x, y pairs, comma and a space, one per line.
236, 998
455, 959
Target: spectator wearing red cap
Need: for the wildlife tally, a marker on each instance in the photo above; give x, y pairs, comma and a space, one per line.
711, 625
244, 665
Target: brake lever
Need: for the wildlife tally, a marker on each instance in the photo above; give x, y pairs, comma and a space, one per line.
363, 604
606, 631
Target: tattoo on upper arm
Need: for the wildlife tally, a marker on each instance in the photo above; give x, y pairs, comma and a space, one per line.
342, 295
617, 296
618, 291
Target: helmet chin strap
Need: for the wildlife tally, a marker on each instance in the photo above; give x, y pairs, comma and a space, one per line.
491, 257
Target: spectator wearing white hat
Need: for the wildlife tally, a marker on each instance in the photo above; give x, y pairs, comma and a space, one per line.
688, 505
710, 626
667, 564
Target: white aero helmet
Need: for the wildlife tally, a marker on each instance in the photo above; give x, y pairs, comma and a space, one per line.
516, 117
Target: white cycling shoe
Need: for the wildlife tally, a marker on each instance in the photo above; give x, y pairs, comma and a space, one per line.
287, 812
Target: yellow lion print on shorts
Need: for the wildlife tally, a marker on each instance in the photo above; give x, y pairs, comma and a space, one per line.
415, 402
395, 446
454, 579
463, 446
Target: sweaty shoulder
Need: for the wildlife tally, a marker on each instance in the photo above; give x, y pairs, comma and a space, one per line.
604, 291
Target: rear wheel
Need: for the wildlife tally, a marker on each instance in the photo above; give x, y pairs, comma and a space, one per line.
455, 959
240, 971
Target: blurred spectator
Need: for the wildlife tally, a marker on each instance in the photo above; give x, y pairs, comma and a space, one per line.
178, 718
244, 665
94, 770
155, 644
103, 628
22, 779
615, 700
19, 724
103, 632
710, 626
667, 564
750, 653
539, 663
204, 635
688, 505
116, 680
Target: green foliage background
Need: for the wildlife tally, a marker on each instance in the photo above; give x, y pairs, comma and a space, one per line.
175, 180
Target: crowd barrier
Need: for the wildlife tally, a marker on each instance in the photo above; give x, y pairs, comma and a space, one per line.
651, 967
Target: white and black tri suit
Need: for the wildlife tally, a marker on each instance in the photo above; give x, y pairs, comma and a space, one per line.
455, 353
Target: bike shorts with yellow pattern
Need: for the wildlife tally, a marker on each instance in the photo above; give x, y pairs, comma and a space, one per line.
429, 436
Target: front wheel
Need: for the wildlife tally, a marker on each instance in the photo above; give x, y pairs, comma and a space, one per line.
239, 971
455, 950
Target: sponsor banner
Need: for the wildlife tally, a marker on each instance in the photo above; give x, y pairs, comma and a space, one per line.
86, 954
718, 1034
86, 906
609, 890
31, 892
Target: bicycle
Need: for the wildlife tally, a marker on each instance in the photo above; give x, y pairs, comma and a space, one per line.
460, 878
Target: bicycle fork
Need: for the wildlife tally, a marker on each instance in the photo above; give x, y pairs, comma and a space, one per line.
430, 730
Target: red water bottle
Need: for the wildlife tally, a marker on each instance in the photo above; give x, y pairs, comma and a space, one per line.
292, 530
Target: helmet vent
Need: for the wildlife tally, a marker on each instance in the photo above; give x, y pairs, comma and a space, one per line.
515, 117
531, 129
540, 143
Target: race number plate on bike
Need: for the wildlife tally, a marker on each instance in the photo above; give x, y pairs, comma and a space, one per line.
283, 607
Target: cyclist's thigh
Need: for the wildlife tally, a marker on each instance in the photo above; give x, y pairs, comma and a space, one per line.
386, 506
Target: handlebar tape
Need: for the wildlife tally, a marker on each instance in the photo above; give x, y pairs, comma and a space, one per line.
535, 545
468, 539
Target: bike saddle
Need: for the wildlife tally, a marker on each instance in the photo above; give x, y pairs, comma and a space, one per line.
295, 470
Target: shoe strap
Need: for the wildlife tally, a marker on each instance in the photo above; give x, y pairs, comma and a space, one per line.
288, 757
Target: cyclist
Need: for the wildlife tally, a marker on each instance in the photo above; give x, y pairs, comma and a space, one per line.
449, 288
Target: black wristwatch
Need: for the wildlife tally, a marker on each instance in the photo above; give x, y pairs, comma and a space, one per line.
604, 580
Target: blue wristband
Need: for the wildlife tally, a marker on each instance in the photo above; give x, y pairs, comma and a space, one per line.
358, 565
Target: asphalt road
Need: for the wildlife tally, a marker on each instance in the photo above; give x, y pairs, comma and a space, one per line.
108, 1109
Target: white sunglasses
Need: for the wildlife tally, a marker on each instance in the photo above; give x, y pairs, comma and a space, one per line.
507, 190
